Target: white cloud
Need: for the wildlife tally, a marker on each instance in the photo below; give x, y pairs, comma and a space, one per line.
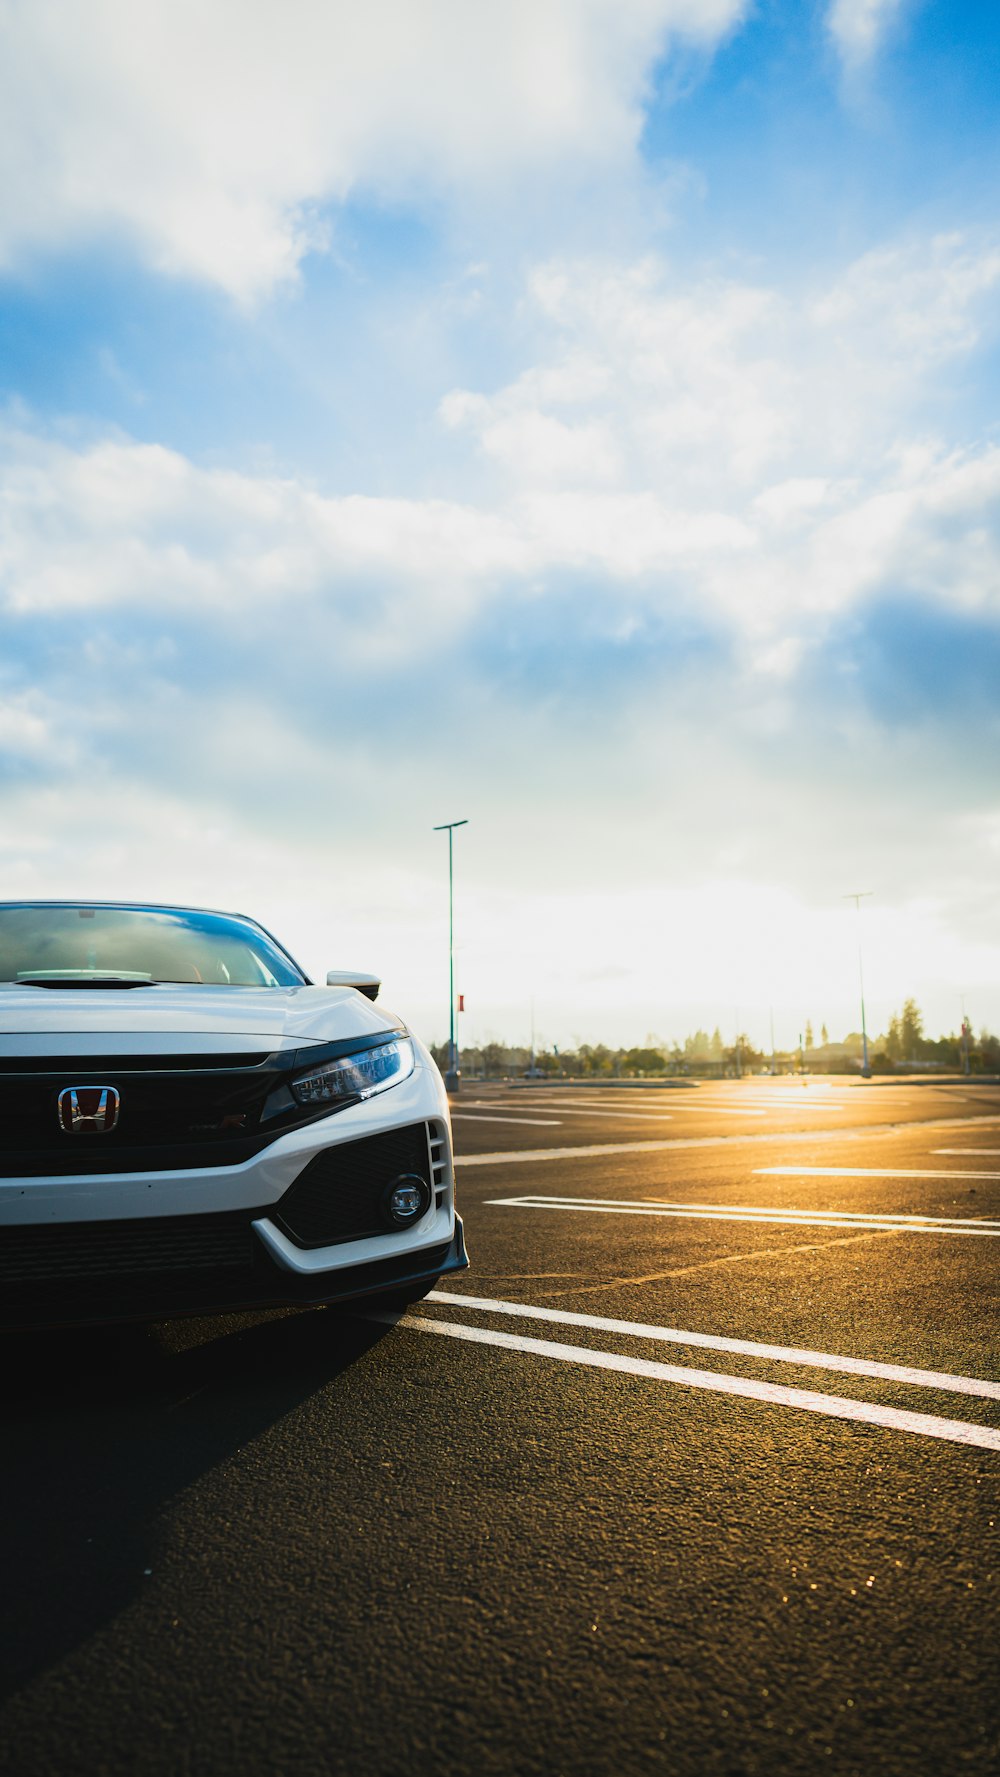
212, 135
935, 537
859, 27
535, 446
120, 524
714, 449
912, 305
29, 729
765, 451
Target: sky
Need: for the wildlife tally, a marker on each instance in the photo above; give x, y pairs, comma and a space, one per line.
578, 417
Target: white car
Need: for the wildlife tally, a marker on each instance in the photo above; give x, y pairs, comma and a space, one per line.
188, 1124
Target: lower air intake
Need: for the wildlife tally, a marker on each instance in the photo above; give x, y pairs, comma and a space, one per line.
338, 1196
153, 1244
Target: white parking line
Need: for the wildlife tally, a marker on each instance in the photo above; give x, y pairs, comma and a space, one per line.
756, 1106
495, 1117
523, 1156
516, 1157
725, 1110
501, 1106
720, 1212
965, 1150
805, 1094
865, 1172
586, 1110
926, 1425
783, 1354
570, 1095
807, 1100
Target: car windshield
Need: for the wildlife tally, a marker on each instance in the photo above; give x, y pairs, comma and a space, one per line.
138, 944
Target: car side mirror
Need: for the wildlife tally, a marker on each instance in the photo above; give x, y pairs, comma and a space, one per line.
367, 984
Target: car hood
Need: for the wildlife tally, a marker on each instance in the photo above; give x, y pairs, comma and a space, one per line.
166, 1019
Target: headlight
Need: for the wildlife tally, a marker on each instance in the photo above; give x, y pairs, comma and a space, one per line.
356, 1076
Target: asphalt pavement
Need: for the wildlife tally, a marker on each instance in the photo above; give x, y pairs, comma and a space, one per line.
694, 1471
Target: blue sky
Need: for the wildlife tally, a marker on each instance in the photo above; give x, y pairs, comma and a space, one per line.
577, 416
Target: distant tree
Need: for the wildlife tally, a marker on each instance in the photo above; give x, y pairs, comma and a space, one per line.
824, 1035
643, 1061
893, 1041
809, 1034
716, 1045
743, 1057
911, 1030
595, 1058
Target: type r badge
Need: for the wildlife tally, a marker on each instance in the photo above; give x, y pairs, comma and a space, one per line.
88, 1110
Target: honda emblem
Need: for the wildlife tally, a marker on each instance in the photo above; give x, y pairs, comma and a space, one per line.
88, 1110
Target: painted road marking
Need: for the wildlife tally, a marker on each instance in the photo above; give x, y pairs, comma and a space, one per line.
521, 1156
926, 1425
781, 1094
720, 1212
571, 1097
755, 1107
965, 1150
703, 1094
782, 1354
864, 1172
502, 1106
585, 1110
496, 1117
516, 1156
723, 1110
778, 1099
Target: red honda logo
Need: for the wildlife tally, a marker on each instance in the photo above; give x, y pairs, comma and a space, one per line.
88, 1110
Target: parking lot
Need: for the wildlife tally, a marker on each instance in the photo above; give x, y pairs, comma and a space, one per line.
695, 1469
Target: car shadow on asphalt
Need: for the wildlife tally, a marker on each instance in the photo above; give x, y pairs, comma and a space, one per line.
104, 1426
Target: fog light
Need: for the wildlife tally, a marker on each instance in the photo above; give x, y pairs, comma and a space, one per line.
406, 1200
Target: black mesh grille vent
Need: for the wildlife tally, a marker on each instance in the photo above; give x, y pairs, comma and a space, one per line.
337, 1196
110, 1249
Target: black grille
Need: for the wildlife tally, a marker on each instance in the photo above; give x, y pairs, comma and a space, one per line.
166, 1119
153, 1244
213, 1111
337, 1196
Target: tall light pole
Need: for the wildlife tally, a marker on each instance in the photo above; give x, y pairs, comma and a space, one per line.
452, 1075
866, 1072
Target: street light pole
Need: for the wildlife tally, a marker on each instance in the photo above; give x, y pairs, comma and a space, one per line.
452, 1072
866, 1072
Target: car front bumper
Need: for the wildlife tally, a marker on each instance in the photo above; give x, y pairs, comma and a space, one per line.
260, 1284
299, 1223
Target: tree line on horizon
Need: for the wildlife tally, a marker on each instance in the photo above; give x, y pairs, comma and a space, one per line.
903, 1044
